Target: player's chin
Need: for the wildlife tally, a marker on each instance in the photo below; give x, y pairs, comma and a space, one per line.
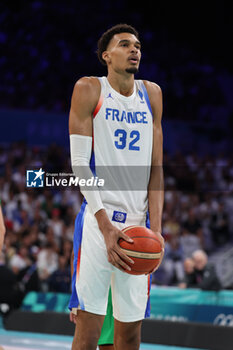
132, 70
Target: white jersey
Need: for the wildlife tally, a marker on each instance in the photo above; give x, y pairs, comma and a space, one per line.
122, 147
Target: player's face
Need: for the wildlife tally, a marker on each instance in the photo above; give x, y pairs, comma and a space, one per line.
123, 53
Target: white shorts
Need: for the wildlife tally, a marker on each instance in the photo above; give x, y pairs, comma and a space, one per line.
93, 274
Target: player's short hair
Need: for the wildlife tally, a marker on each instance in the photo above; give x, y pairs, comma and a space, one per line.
108, 35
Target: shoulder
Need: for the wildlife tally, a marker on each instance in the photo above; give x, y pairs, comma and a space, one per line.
155, 96
152, 88
87, 84
86, 89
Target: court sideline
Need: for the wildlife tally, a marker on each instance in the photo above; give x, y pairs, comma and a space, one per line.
12, 340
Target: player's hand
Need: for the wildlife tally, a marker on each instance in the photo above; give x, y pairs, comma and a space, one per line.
115, 254
161, 240
73, 317
111, 236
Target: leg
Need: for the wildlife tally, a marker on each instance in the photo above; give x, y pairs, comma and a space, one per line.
127, 335
87, 331
129, 308
92, 269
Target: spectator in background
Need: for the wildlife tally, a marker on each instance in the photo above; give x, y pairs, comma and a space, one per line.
219, 226
171, 227
190, 277
47, 263
9, 292
60, 279
51, 239
2, 228
173, 261
20, 260
28, 280
40, 219
205, 274
189, 242
193, 225
66, 249
47, 205
21, 221
56, 223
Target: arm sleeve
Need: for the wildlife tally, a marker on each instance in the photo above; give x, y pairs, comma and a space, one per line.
80, 150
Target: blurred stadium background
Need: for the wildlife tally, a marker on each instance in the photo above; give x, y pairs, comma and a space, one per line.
45, 48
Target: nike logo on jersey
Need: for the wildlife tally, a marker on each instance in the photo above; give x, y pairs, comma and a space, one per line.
124, 116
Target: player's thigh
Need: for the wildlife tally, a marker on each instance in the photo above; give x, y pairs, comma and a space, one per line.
129, 296
93, 280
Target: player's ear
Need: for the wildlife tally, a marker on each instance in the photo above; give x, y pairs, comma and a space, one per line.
106, 57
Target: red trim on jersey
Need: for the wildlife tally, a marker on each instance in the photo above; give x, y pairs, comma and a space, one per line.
78, 263
93, 137
148, 286
99, 104
92, 141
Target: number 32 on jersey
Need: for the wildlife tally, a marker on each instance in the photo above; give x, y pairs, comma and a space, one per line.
121, 138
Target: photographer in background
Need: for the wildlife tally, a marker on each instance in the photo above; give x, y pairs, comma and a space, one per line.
205, 274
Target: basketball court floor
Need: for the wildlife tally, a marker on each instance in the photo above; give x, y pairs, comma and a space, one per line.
11, 340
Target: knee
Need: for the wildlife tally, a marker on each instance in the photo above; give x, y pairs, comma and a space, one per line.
85, 343
127, 340
131, 341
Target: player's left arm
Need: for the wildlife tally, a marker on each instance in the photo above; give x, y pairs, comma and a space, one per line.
156, 183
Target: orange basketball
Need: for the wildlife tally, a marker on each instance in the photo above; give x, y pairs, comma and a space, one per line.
145, 249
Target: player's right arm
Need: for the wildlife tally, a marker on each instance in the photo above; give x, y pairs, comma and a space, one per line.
83, 103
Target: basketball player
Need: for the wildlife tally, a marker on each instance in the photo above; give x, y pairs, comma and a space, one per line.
2, 228
115, 122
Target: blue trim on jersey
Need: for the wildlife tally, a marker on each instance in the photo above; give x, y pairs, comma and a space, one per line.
147, 219
147, 98
78, 231
92, 163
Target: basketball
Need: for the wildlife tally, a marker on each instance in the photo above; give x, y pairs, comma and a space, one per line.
146, 249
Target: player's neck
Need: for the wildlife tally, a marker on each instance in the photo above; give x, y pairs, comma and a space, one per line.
124, 84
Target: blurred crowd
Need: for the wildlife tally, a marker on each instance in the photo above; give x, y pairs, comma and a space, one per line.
40, 221
197, 212
45, 51
39, 224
